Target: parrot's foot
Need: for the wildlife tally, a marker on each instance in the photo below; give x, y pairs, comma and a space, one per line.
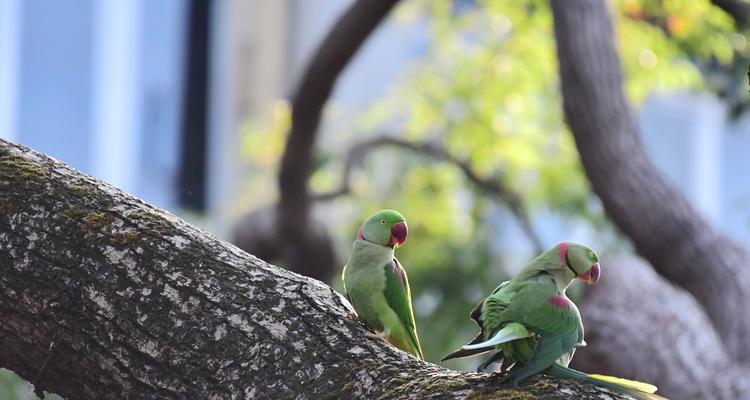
352, 315
498, 357
378, 336
505, 367
500, 373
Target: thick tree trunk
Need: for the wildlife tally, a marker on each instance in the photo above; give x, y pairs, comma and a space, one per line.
639, 325
663, 225
105, 297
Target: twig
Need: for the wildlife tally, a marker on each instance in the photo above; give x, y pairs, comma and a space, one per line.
52, 348
495, 187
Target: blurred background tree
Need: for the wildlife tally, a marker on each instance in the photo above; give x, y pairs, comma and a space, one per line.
486, 94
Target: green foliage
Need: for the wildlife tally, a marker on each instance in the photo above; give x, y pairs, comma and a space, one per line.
12, 387
705, 35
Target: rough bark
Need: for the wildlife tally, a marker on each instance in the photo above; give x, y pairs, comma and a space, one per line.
103, 296
664, 227
659, 333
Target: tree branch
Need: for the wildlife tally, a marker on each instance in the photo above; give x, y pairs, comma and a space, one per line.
660, 221
329, 60
286, 233
143, 305
659, 340
494, 187
739, 10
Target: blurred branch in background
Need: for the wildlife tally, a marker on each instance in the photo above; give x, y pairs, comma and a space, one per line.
635, 312
290, 237
665, 228
738, 9
493, 186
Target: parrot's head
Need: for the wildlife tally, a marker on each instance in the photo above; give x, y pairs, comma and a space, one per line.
385, 227
581, 260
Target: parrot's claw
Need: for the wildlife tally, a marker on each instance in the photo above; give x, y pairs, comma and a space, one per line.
378, 336
352, 315
500, 373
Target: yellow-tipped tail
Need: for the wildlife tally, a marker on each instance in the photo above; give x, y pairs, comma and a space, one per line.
638, 390
630, 384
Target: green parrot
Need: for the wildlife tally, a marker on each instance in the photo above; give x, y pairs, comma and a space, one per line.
535, 327
376, 284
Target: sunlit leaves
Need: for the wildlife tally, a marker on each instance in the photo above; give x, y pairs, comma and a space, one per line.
695, 31
264, 139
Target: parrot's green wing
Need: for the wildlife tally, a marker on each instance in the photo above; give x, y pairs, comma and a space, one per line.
559, 329
398, 295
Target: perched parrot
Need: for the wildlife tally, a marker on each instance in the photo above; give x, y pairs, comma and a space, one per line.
535, 327
375, 282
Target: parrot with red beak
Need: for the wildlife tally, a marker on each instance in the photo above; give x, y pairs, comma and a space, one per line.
376, 284
533, 327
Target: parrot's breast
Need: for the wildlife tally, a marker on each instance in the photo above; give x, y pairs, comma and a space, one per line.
365, 281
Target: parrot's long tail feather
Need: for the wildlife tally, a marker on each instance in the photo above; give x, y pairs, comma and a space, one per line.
631, 384
461, 353
639, 390
511, 331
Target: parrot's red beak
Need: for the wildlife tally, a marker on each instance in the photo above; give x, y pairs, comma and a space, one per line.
592, 275
399, 231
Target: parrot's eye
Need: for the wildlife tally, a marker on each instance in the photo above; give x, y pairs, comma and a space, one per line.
382, 221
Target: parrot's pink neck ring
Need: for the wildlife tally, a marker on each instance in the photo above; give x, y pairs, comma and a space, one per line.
563, 252
560, 301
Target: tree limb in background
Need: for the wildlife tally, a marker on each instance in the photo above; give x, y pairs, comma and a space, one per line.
663, 225
739, 10
640, 326
142, 305
495, 187
327, 63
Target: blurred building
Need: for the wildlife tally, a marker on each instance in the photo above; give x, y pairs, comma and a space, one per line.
150, 96
97, 84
